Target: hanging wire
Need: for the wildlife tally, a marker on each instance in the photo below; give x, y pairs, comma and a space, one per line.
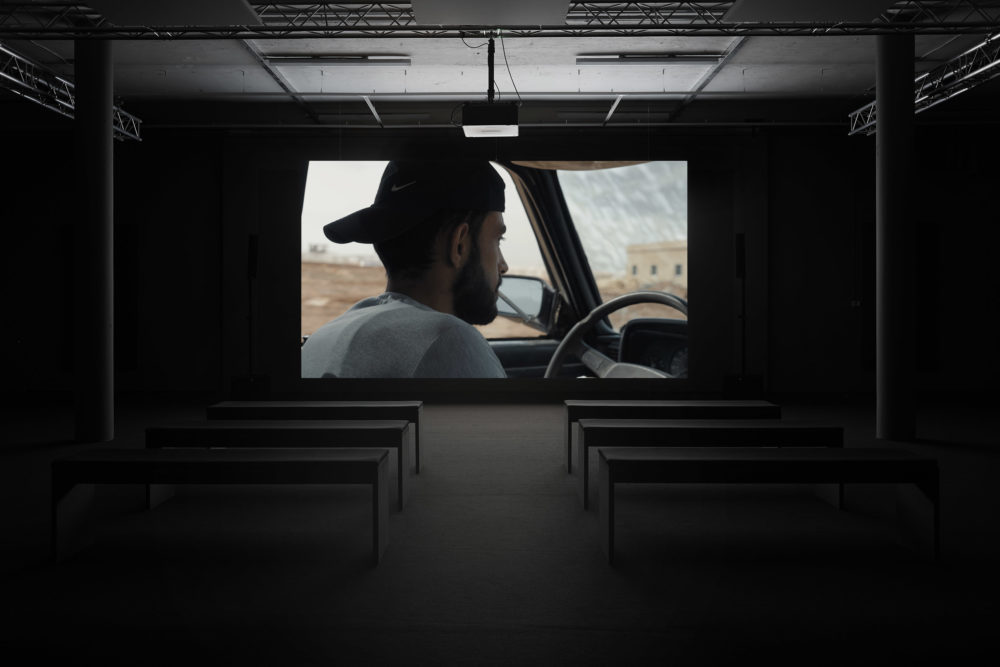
478, 46
453, 110
500, 32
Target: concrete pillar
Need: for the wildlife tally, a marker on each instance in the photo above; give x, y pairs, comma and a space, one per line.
94, 364
895, 413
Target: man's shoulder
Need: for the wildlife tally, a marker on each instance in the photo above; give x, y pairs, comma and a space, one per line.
453, 327
459, 350
401, 305
367, 302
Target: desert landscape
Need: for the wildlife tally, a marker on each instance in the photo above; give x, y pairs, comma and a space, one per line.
328, 290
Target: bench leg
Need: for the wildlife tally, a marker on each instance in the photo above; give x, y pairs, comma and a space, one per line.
919, 516
606, 512
831, 493
415, 437
157, 494
380, 512
403, 463
568, 436
72, 520
583, 471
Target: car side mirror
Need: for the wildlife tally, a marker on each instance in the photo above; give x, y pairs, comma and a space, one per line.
528, 300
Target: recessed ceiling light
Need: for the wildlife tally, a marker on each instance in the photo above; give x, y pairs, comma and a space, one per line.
649, 59
326, 61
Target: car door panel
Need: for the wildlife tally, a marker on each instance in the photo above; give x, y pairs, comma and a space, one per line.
530, 357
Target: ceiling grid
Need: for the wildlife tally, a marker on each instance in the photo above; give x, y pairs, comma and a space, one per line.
297, 63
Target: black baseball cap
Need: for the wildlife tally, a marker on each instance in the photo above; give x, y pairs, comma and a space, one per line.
411, 190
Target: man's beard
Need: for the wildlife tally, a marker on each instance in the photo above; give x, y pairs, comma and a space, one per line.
475, 302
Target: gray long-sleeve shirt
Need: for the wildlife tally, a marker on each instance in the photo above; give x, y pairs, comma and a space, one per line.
393, 336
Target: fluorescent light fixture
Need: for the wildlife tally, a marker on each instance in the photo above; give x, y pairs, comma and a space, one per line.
649, 59
327, 61
485, 119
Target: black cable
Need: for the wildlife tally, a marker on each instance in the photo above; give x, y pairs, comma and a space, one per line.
500, 32
462, 37
491, 86
453, 109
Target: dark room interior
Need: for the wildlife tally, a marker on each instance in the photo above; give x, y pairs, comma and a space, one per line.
839, 266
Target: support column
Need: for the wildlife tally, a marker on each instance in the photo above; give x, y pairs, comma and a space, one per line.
94, 364
895, 413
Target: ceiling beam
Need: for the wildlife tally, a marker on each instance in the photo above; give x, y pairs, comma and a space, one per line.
371, 107
612, 111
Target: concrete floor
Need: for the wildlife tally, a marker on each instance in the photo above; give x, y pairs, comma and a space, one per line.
493, 561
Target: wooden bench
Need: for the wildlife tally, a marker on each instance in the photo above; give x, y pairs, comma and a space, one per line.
696, 432
74, 478
411, 411
660, 409
269, 433
743, 465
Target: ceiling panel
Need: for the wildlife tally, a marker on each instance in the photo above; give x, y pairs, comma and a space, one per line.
806, 80
490, 12
192, 82
819, 11
472, 82
176, 12
200, 52
516, 51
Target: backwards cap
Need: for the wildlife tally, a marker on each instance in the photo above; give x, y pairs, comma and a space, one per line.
411, 190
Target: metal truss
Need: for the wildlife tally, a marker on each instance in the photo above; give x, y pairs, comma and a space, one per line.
863, 119
967, 70
35, 83
301, 20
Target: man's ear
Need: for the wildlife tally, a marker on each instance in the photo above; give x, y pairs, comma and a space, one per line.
459, 245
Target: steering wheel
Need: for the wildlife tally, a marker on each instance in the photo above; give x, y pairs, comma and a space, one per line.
602, 365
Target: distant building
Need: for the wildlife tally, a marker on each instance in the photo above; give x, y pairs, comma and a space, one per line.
661, 262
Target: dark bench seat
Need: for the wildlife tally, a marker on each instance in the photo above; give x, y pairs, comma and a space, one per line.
661, 409
755, 465
240, 433
410, 411
74, 477
696, 432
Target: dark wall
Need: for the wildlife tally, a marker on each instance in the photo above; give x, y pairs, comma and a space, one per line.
168, 205
168, 229
781, 267
36, 215
820, 258
821, 261
958, 273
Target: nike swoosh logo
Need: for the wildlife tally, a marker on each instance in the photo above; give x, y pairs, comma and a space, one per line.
396, 188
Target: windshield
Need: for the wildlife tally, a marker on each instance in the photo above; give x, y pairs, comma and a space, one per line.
632, 223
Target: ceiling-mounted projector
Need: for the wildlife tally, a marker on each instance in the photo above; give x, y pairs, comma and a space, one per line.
489, 119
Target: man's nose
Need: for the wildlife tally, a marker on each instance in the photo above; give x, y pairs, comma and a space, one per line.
502, 264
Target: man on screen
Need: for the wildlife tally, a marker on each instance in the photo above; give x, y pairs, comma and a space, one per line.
437, 227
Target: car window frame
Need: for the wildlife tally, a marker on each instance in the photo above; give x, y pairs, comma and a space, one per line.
564, 254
